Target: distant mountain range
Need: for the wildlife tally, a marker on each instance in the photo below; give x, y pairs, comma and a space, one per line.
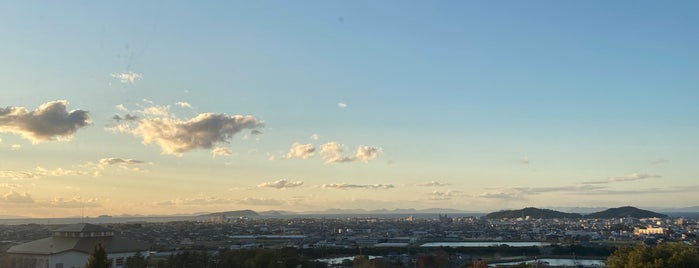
233, 213
537, 213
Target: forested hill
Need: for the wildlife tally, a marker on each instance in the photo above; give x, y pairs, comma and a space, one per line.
534, 213
622, 212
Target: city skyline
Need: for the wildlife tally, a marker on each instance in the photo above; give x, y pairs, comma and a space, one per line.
173, 107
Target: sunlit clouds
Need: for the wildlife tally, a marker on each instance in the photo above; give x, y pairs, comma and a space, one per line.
333, 152
15, 197
281, 184
302, 151
128, 77
176, 136
50, 121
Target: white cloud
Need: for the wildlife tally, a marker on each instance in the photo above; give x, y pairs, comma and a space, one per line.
332, 153
175, 136
524, 160
127, 77
184, 104
433, 184
17, 175
439, 195
302, 151
15, 147
345, 186
74, 202
221, 151
15, 197
630, 177
315, 137
281, 184
342, 105
366, 153
501, 195
50, 121
122, 108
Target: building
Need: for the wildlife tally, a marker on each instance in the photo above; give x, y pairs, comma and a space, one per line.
71, 246
649, 231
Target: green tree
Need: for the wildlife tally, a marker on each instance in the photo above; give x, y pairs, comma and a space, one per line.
677, 255
98, 259
136, 261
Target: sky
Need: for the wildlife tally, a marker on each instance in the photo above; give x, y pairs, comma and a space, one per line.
165, 107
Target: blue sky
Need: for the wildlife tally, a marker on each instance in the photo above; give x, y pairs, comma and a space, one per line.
476, 105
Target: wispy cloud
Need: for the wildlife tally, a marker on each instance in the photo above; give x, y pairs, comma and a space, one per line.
50, 121
345, 186
15, 197
118, 161
630, 177
15, 147
342, 105
658, 161
315, 137
127, 77
74, 202
524, 160
447, 195
301, 151
221, 151
281, 184
184, 104
332, 152
433, 184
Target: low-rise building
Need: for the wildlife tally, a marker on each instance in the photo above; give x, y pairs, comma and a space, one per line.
71, 246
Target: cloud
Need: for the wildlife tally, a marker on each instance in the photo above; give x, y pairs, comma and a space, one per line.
630, 177
15, 197
15, 147
342, 105
659, 161
184, 104
433, 184
332, 153
75, 202
439, 195
175, 136
122, 108
261, 202
50, 121
255, 132
157, 110
118, 161
315, 137
366, 153
345, 186
501, 195
524, 161
127, 77
302, 151
221, 151
16, 175
281, 184
127, 117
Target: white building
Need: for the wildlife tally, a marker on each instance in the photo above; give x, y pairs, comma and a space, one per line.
71, 246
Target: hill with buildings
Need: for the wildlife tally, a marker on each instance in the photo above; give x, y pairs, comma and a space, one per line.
623, 212
535, 213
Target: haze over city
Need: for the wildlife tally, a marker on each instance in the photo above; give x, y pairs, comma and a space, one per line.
166, 107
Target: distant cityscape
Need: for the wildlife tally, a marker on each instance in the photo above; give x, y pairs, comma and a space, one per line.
508, 237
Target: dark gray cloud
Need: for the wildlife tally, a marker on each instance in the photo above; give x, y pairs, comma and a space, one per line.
50, 121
